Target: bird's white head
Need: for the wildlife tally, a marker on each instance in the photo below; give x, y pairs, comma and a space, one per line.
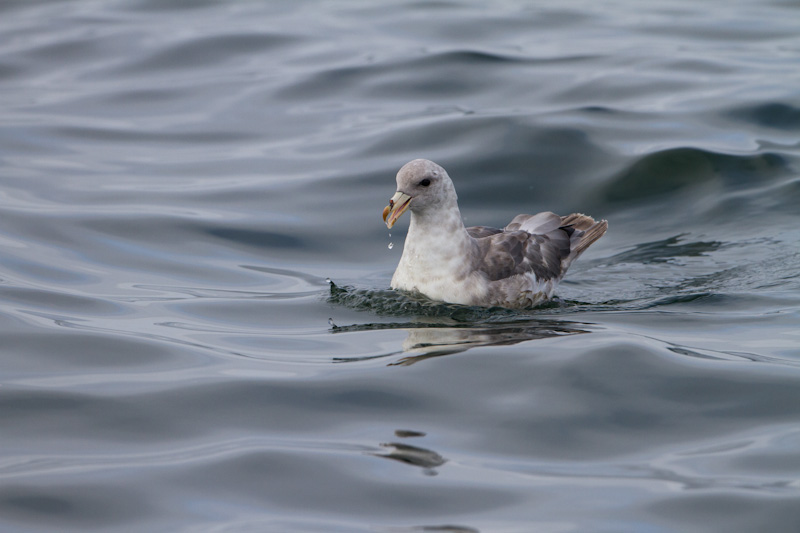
422, 185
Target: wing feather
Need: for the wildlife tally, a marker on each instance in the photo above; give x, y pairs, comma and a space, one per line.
478, 232
544, 245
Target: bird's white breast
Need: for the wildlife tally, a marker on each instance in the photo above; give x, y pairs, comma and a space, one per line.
437, 262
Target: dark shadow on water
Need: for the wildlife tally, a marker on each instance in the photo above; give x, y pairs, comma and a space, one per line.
437, 529
666, 250
437, 329
432, 529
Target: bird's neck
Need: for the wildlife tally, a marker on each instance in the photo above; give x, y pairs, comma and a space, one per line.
437, 233
444, 217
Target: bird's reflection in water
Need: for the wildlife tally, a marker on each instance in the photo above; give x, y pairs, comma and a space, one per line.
424, 458
437, 339
413, 455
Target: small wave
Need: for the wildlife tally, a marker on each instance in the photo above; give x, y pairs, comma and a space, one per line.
776, 115
427, 73
675, 169
206, 52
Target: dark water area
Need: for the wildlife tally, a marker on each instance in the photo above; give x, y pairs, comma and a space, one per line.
179, 180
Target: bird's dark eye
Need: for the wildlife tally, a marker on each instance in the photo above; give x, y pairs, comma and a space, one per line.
425, 182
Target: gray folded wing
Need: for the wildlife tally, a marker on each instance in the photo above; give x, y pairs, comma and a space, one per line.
544, 244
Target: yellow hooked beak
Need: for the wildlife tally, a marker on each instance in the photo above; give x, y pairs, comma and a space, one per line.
397, 206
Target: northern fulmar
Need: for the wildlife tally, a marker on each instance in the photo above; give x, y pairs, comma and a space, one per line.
518, 266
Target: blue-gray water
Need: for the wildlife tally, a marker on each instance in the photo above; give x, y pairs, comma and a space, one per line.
179, 178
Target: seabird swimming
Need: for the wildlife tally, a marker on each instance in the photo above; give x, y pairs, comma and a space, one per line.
518, 266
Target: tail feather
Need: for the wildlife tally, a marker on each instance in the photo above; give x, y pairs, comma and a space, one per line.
578, 221
588, 230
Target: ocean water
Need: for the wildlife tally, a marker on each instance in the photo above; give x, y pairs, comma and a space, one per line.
180, 179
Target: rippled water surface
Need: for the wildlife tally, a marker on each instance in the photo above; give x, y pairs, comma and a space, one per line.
178, 179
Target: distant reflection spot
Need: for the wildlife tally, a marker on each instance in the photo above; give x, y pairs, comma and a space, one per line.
414, 455
408, 433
